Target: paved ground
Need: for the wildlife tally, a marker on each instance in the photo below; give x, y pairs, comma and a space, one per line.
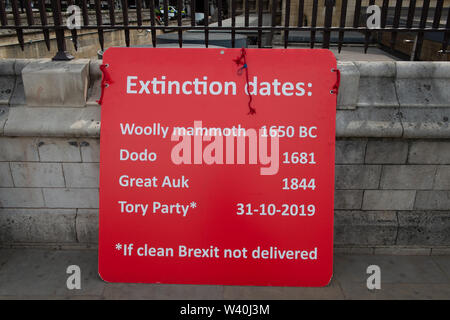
41, 273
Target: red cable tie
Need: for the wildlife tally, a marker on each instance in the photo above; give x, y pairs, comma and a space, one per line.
338, 81
106, 80
242, 60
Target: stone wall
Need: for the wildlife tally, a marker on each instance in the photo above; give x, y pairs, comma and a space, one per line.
392, 156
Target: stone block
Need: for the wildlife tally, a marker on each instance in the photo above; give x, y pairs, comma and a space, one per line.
4, 112
18, 149
386, 152
429, 152
423, 228
56, 83
53, 122
18, 96
365, 227
90, 150
348, 199
442, 181
403, 251
36, 174
5, 175
388, 199
21, 198
425, 122
376, 84
423, 84
71, 198
350, 151
7, 80
414, 177
357, 176
87, 225
59, 150
81, 175
37, 225
348, 89
432, 200
368, 122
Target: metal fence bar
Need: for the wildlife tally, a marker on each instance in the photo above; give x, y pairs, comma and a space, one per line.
357, 13
420, 35
342, 24
219, 12
180, 31
301, 5
446, 38
327, 23
26, 21
3, 19
260, 22
125, 22
233, 23
17, 22
206, 21
313, 23
398, 8
98, 16
287, 15
139, 12
43, 15
246, 12
152, 22
411, 10
368, 33
112, 15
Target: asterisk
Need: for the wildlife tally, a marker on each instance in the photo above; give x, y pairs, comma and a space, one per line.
118, 246
193, 204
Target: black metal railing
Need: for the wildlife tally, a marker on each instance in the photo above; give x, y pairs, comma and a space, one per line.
432, 18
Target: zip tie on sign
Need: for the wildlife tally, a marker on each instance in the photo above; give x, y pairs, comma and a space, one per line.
106, 81
242, 60
335, 89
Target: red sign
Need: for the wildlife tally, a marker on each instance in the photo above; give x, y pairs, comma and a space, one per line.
196, 190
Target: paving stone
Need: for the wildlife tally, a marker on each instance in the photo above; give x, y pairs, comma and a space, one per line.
432, 200
21, 198
71, 198
332, 291
117, 291
414, 177
37, 225
357, 176
348, 199
41, 272
18, 149
59, 150
394, 269
359, 291
37, 174
423, 228
81, 175
5, 175
350, 151
386, 152
429, 152
388, 199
